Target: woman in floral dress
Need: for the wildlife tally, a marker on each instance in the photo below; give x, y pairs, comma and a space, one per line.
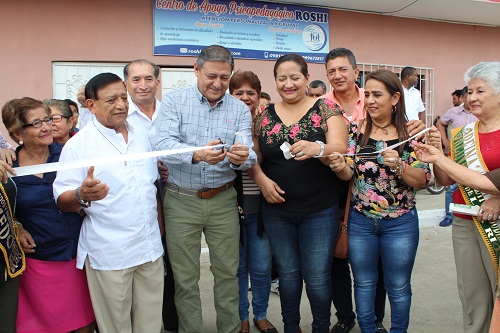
300, 210
383, 220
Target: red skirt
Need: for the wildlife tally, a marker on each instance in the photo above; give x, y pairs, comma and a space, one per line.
53, 297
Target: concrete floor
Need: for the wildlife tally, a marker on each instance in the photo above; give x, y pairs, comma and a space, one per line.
435, 305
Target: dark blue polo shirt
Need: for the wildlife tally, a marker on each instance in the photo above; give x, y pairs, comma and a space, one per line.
55, 232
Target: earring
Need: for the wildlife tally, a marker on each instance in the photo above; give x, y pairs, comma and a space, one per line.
21, 142
394, 109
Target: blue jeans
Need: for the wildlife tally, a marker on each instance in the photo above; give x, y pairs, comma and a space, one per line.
302, 245
255, 259
449, 199
396, 242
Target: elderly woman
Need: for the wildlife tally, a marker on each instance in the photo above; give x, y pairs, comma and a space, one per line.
300, 210
62, 120
383, 220
255, 252
476, 240
53, 294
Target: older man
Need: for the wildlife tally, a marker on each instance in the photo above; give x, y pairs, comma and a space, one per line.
120, 242
142, 79
316, 88
199, 195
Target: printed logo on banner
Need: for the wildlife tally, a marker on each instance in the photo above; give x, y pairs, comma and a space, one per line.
183, 50
314, 37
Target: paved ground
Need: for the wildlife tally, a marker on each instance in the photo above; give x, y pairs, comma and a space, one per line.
435, 307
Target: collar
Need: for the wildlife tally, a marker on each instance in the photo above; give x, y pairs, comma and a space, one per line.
109, 131
202, 98
133, 108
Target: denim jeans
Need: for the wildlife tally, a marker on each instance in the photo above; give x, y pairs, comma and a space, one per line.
395, 241
302, 245
448, 199
255, 259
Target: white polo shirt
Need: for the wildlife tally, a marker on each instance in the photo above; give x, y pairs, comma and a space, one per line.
121, 230
137, 118
413, 103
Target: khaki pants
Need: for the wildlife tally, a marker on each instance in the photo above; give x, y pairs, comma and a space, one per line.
475, 276
186, 217
127, 300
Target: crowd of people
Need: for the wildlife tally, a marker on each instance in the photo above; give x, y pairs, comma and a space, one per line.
266, 183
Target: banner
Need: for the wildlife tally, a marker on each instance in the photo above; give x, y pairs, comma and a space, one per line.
250, 30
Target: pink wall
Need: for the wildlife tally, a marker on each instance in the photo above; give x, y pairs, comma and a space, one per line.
36, 33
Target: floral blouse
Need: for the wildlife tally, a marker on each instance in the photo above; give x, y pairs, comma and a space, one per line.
378, 192
314, 121
309, 185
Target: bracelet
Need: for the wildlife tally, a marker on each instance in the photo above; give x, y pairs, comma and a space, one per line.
321, 149
18, 224
81, 202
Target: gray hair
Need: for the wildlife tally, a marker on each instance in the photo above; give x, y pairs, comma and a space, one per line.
487, 71
215, 53
141, 61
63, 106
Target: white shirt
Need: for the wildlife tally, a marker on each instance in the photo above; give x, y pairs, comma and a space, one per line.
84, 118
137, 118
121, 230
413, 103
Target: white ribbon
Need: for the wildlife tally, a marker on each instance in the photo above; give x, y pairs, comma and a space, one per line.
66, 165
389, 147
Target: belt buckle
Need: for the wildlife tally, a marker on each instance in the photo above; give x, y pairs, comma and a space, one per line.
199, 193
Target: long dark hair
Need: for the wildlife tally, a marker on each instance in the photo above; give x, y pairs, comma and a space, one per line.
398, 119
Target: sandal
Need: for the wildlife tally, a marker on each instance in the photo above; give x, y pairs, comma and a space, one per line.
271, 329
247, 325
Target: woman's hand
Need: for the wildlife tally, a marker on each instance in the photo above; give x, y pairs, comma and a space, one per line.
336, 162
433, 138
304, 149
427, 153
391, 158
7, 155
4, 168
490, 209
271, 191
27, 242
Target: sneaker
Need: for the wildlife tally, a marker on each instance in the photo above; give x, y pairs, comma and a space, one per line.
381, 328
446, 222
342, 327
275, 286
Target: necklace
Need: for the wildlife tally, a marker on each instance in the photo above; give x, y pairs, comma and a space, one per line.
124, 162
383, 128
489, 128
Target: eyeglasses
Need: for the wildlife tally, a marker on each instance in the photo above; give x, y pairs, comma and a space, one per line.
38, 122
58, 117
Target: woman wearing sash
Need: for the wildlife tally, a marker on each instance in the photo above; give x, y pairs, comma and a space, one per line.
475, 239
53, 293
12, 260
383, 220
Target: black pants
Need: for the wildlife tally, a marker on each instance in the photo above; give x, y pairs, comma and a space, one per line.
9, 291
342, 291
169, 311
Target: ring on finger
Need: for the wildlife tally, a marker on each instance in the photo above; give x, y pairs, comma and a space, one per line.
300, 154
392, 160
332, 166
480, 212
490, 217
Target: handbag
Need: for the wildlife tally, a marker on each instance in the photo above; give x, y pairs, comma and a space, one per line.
342, 243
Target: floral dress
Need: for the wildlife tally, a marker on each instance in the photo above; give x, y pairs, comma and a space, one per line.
309, 185
378, 192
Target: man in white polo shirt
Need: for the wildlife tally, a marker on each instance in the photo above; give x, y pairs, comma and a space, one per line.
415, 109
120, 241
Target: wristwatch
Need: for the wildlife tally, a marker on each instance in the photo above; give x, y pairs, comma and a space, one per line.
322, 149
81, 202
